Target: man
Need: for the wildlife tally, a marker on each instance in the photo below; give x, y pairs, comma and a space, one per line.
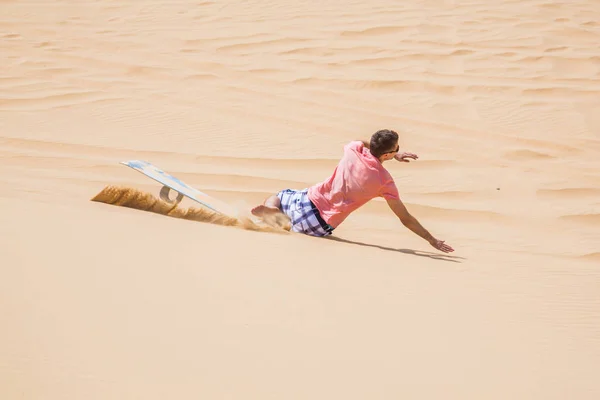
358, 178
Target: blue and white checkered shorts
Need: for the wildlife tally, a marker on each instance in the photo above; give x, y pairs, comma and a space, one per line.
303, 213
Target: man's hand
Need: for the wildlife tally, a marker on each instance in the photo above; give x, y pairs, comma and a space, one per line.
441, 246
404, 157
411, 223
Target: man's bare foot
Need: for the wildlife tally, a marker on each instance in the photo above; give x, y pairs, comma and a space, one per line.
272, 216
263, 211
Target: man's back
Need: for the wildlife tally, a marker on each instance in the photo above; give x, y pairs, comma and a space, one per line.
358, 178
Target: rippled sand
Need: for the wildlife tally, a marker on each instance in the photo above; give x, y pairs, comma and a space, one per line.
500, 100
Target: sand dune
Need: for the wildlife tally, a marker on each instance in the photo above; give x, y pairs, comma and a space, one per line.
107, 292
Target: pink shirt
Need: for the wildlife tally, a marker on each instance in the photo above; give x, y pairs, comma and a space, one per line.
358, 178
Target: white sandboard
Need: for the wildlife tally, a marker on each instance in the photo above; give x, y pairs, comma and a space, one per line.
183, 189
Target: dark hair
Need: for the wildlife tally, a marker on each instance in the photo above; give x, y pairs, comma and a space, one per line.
382, 142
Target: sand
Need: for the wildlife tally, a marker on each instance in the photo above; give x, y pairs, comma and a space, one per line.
500, 100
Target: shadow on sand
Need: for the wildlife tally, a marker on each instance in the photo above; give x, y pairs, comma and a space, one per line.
434, 256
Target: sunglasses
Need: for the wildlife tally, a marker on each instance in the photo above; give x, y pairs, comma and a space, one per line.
394, 151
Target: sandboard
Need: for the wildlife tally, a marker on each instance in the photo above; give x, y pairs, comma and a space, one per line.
170, 182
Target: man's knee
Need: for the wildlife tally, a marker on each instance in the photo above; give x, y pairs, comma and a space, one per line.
273, 201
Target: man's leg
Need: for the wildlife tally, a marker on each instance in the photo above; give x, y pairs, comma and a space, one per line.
271, 213
270, 206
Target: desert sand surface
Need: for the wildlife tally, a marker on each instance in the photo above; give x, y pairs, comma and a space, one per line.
500, 100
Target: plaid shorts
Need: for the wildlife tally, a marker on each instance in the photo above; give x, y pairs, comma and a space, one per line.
303, 213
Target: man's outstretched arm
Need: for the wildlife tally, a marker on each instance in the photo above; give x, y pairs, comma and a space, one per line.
411, 223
